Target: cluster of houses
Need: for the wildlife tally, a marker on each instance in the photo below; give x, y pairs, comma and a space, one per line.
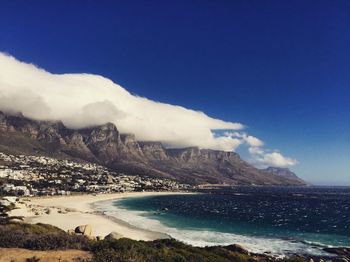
40, 175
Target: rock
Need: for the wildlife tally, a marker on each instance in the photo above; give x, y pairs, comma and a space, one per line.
238, 248
283, 172
5, 202
71, 231
90, 237
86, 230
340, 251
113, 235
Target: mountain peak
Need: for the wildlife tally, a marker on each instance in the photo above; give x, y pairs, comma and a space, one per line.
107, 126
282, 172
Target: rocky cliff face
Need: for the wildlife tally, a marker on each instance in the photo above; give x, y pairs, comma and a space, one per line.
282, 172
105, 145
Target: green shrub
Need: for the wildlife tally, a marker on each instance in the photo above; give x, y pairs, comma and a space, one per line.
40, 237
47, 237
159, 250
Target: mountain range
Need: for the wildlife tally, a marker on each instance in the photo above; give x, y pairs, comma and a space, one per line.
106, 146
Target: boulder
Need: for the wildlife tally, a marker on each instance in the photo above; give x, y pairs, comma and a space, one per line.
238, 248
86, 230
5, 202
91, 237
71, 231
340, 251
113, 235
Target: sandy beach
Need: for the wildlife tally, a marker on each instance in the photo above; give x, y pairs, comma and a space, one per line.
68, 212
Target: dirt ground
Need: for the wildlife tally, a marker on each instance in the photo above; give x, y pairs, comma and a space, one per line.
24, 255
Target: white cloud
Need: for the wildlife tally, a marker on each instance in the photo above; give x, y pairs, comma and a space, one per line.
255, 151
263, 158
81, 100
253, 141
250, 140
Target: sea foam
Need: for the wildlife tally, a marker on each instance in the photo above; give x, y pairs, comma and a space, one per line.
201, 238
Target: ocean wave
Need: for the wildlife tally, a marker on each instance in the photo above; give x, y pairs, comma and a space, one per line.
273, 246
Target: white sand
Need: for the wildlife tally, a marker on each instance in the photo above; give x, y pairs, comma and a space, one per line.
80, 212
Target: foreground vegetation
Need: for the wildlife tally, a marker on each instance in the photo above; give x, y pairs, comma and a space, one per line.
46, 237
40, 237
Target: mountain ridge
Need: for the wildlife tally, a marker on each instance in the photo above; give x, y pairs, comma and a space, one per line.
105, 145
281, 171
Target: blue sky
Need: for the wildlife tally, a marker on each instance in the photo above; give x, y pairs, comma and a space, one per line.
279, 67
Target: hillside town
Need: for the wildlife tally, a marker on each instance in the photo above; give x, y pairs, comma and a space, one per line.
22, 175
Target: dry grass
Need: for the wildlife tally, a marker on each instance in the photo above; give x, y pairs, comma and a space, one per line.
23, 255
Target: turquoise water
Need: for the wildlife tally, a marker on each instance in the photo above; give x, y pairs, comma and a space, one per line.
280, 221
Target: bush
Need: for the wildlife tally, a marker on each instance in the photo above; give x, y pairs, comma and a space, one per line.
40, 237
167, 250
47, 237
159, 250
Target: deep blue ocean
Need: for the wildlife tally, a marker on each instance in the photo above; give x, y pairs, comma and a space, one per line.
276, 220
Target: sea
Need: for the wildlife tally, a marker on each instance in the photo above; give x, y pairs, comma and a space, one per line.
279, 221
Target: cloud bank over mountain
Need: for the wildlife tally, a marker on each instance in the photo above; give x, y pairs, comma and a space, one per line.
261, 157
265, 158
82, 100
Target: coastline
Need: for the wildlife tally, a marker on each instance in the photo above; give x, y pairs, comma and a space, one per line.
68, 212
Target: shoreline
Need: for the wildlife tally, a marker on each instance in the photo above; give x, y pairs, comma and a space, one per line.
68, 212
